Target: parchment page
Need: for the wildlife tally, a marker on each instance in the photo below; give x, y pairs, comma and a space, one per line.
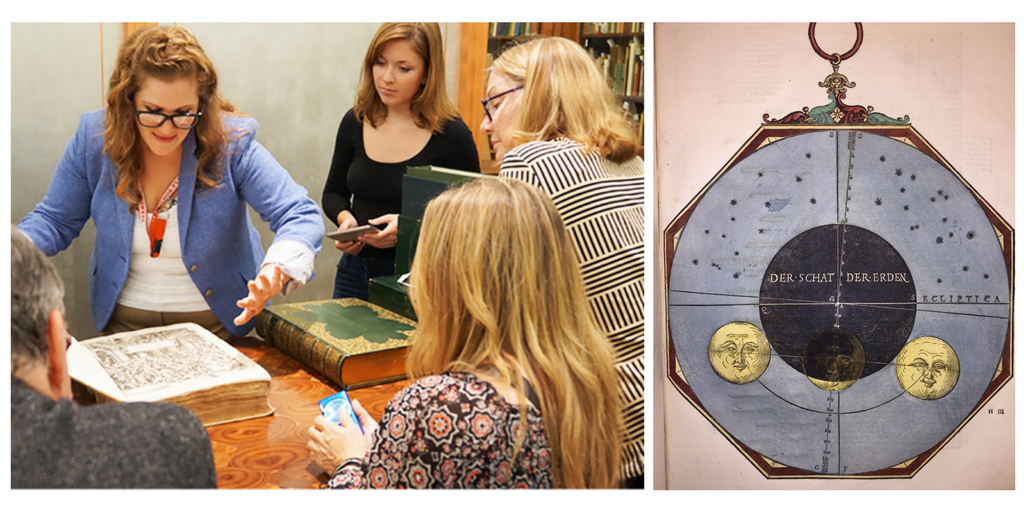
154, 364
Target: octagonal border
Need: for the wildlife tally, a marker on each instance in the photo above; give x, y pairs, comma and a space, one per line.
768, 134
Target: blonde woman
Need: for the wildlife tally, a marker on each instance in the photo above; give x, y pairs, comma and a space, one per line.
402, 118
166, 172
517, 383
554, 123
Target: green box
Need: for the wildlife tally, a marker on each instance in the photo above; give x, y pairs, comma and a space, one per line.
419, 186
388, 293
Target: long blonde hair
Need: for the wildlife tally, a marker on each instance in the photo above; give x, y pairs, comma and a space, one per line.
164, 53
430, 106
496, 284
566, 95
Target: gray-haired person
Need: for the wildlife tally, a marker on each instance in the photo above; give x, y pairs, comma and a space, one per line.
57, 443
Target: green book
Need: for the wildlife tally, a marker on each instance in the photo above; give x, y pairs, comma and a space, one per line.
349, 341
388, 293
419, 186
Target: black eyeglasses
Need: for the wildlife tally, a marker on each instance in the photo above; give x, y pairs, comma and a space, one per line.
157, 119
484, 101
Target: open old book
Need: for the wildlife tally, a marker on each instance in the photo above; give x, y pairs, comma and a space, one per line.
183, 364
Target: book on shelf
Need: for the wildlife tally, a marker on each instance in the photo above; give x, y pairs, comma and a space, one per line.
590, 29
641, 124
183, 364
623, 64
511, 29
350, 342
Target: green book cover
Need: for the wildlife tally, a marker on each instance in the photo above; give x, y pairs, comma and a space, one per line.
349, 341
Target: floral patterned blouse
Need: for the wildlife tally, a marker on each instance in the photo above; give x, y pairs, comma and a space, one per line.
451, 431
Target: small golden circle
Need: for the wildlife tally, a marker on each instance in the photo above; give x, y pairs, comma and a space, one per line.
739, 352
927, 368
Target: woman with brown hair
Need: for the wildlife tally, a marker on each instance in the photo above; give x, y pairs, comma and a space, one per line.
402, 117
554, 123
166, 172
516, 384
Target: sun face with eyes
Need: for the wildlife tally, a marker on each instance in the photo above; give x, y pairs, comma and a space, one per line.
927, 368
739, 352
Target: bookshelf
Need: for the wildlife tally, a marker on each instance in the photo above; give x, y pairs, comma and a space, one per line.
618, 48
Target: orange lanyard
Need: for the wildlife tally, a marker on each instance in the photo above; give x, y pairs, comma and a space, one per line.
156, 227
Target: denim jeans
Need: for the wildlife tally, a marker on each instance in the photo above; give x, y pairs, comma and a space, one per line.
354, 272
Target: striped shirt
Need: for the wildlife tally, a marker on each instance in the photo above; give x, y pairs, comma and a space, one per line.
601, 204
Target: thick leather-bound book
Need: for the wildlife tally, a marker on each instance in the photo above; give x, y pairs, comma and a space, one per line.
351, 342
183, 364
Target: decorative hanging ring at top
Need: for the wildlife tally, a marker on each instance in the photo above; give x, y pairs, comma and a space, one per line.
836, 58
836, 112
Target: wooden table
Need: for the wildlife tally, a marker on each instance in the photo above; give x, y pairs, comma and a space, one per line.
270, 452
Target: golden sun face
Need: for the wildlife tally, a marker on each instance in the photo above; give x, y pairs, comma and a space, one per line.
927, 368
739, 352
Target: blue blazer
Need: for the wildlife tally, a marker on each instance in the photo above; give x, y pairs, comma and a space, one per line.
220, 247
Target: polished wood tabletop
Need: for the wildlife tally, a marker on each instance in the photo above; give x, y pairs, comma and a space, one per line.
270, 452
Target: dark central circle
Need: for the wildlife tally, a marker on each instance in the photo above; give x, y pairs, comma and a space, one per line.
838, 276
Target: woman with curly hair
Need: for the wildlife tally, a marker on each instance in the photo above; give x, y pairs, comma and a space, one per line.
166, 172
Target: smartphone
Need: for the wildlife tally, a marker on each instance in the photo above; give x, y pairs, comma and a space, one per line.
348, 235
337, 404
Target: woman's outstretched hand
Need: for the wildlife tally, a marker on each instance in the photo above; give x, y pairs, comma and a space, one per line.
268, 283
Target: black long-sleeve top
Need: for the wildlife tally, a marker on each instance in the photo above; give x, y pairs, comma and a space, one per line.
369, 189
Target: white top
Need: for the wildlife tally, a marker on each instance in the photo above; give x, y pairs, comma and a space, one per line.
163, 283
